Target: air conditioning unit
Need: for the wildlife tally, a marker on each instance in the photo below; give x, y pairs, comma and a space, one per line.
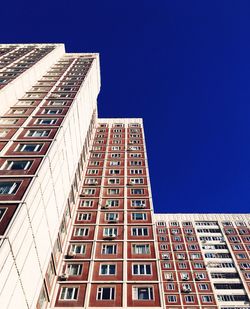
110, 236
106, 206
140, 205
63, 277
70, 255
169, 277
185, 278
112, 220
186, 290
197, 277
180, 258
165, 257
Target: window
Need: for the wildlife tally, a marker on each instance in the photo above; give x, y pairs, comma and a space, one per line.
112, 203
136, 172
141, 249
82, 231
4, 132
198, 265
142, 293
139, 231
184, 276
207, 299
87, 203
78, 248
107, 269
29, 147
135, 155
167, 265
137, 191
94, 163
172, 299
109, 249
52, 111
115, 155
110, 232
91, 181
89, 192
92, 172
74, 269
135, 163
84, 216
139, 216
69, 293
2, 212
46, 121
106, 293
141, 269
182, 265
114, 180
16, 165
38, 133
138, 203
170, 286
114, 172
9, 187
231, 298
8, 121
203, 286
200, 276
136, 181
115, 163
113, 191
111, 216
189, 298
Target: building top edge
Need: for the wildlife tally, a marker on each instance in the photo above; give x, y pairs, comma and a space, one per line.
30, 44
201, 216
120, 120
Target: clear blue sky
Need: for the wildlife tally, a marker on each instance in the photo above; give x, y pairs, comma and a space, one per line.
184, 66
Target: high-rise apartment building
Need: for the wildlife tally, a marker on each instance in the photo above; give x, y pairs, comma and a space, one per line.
78, 228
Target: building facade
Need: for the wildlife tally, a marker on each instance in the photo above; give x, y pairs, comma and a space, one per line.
78, 228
